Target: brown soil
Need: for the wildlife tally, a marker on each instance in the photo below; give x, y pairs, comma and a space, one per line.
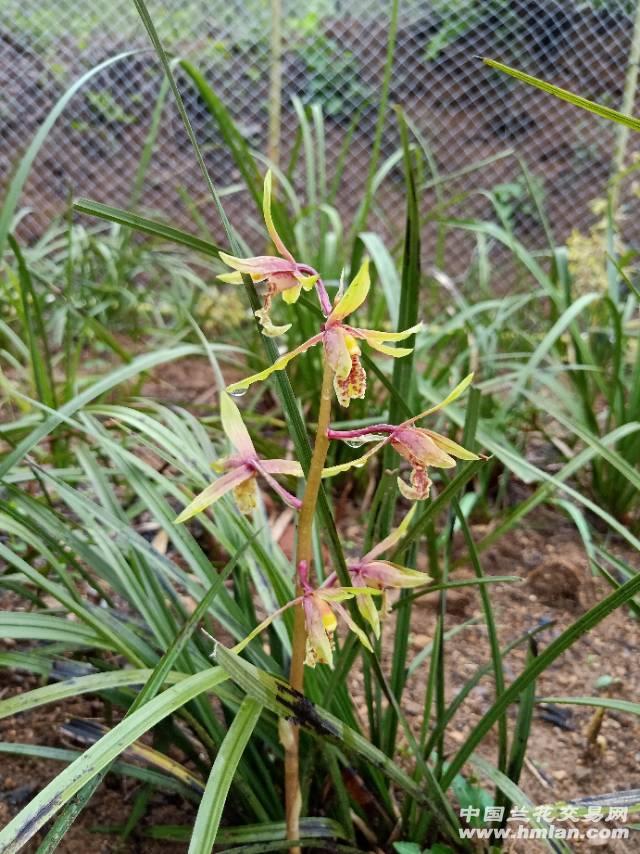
562, 764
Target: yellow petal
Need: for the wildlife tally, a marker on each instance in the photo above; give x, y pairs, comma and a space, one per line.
307, 282
354, 296
279, 365
379, 335
234, 427
231, 260
394, 352
354, 627
268, 218
213, 492
268, 328
367, 608
453, 395
391, 539
330, 471
290, 295
451, 447
339, 594
231, 278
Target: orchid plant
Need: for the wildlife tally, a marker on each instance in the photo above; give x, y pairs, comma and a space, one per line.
320, 608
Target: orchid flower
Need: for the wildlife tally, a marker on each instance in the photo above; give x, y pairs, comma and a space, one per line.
422, 448
242, 469
340, 342
322, 608
321, 611
370, 572
283, 275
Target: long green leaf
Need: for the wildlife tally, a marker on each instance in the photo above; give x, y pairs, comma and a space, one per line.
161, 230
215, 795
565, 95
277, 695
63, 787
137, 366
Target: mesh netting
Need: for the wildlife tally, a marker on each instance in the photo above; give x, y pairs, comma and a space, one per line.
333, 53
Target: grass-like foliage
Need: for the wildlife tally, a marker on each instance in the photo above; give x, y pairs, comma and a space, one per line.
131, 523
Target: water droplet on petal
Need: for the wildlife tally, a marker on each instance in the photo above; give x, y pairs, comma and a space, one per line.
356, 443
359, 441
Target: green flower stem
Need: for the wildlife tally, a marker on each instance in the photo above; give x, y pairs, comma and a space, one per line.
304, 555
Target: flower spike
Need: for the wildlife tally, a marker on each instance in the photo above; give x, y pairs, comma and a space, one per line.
241, 469
422, 448
282, 275
340, 342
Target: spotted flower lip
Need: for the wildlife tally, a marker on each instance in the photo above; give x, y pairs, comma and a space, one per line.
283, 275
421, 447
242, 469
340, 342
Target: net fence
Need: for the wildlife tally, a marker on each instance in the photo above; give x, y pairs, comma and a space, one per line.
474, 122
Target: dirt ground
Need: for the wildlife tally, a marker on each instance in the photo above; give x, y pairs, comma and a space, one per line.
561, 762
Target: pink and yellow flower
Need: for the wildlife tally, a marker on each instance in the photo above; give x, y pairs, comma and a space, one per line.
421, 447
370, 572
322, 608
282, 275
242, 469
340, 342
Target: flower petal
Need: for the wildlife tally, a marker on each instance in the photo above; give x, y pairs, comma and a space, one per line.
354, 296
320, 622
453, 395
353, 385
419, 487
307, 282
215, 491
337, 351
279, 365
451, 447
391, 539
263, 265
289, 499
268, 218
246, 495
417, 446
378, 335
367, 606
393, 575
234, 427
394, 352
364, 640
330, 471
282, 467
230, 278
291, 294
263, 625
268, 327
339, 594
